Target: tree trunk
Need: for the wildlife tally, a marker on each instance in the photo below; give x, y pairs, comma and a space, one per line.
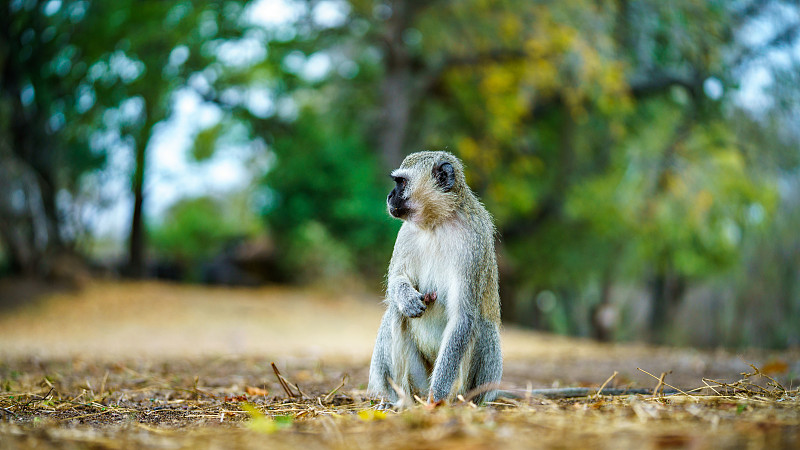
604, 314
19, 250
396, 109
667, 289
396, 89
136, 243
47, 190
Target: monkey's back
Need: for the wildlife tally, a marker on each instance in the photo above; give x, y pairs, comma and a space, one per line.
484, 252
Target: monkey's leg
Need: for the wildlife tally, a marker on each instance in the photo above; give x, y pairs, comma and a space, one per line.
454, 344
487, 362
380, 367
409, 371
396, 356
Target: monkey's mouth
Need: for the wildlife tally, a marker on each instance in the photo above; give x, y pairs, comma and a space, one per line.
398, 212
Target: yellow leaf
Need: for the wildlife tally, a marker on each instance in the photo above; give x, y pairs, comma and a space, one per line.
259, 422
369, 415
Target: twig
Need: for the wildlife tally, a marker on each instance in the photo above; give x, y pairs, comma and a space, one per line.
606, 382
83, 416
344, 378
486, 387
297, 386
288, 385
660, 383
40, 397
758, 372
710, 386
9, 412
282, 382
103, 384
466, 402
666, 384
401, 395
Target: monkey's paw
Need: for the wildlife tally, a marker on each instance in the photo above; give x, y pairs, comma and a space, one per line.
413, 305
433, 404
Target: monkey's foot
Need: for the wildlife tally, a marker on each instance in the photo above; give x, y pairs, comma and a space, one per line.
384, 406
432, 404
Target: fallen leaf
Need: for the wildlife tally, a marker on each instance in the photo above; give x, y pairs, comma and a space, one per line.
775, 367
251, 390
368, 415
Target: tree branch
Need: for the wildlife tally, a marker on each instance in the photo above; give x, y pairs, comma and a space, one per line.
642, 86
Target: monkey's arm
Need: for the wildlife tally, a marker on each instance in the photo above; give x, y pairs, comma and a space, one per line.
408, 300
400, 292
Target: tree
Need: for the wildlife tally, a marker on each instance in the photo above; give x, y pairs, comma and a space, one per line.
42, 63
598, 133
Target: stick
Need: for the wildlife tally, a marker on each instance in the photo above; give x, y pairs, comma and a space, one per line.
282, 381
660, 383
486, 387
103, 384
40, 397
666, 384
401, 396
11, 413
604, 384
710, 386
344, 378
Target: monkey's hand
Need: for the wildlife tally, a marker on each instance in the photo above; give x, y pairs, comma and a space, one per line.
412, 304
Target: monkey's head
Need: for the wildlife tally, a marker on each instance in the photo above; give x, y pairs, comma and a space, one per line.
428, 187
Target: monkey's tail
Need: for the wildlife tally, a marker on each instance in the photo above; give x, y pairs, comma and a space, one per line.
573, 392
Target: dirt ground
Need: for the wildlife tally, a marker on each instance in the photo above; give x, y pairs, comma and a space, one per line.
116, 365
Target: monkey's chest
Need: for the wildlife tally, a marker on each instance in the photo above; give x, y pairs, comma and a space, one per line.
428, 329
435, 272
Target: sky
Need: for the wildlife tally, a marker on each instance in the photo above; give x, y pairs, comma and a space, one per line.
174, 175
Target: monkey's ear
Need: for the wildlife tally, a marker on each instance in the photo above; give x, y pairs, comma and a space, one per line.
445, 175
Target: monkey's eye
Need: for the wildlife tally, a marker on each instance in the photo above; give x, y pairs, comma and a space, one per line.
401, 182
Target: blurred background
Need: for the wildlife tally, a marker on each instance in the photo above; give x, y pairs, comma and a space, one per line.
640, 158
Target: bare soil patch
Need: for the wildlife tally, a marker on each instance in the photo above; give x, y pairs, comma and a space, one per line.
156, 365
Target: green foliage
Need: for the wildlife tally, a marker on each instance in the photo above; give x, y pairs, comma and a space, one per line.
205, 143
329, 199
586, 127
196, 229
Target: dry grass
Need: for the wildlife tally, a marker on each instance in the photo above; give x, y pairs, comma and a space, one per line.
66, 380
113, 405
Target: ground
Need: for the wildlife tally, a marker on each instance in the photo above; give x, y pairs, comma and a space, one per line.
165, 365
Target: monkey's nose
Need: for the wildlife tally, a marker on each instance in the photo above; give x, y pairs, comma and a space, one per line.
398, 212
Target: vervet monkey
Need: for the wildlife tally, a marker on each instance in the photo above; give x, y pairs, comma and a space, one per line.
440, 335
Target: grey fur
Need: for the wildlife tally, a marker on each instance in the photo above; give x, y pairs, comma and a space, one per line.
450, 345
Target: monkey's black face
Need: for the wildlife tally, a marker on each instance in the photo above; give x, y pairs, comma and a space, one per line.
395, 200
